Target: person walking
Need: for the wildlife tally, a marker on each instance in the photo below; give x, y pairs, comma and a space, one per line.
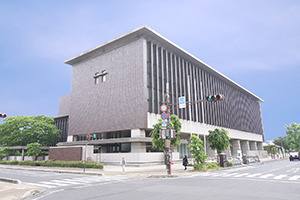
185, 162
123, 164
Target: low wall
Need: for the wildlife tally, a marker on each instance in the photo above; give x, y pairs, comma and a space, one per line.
19, 158
133, 158
66, 153
261, 154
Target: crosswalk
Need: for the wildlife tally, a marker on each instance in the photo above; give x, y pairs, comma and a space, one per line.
248, 175
74, 182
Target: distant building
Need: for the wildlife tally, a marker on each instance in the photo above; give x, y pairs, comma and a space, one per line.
117, 89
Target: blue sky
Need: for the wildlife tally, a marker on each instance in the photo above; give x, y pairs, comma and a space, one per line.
255, 43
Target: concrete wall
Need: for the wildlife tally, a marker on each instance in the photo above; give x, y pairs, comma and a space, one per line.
119, 103
135, 158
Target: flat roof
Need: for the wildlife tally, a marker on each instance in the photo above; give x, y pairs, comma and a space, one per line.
149, 34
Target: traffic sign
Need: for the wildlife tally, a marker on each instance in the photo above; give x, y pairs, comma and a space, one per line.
164, 125
164, 116
163, 108
181, 102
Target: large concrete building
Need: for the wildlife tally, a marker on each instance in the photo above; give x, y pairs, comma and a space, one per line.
117, 89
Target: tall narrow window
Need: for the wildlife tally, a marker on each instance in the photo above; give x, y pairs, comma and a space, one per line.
104, 76
97, 77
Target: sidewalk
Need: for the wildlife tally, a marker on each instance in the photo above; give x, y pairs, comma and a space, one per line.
13, 189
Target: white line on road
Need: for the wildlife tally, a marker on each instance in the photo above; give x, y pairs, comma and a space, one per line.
294, 178
59, 184
227, 175
266, 176
280, 176
41, 185
253, 175
240, 175
67, 182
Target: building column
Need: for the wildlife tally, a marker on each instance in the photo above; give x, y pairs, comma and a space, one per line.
228, 152
22, 154
253, 146
211, 153
138, 133
138, 147
260, 146
245, 146
236, 146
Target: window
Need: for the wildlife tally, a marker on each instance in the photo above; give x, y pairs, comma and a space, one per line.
96, 78
104, 76
98, 75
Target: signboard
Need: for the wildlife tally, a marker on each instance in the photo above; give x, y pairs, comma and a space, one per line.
163, 108
163, 134
167, 143
164, 116
172, 133
182, 102
164, 125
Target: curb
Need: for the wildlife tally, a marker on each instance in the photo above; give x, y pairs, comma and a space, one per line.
31, 193
9, 180
162, 176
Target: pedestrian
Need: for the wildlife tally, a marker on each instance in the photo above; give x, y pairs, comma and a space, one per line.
123, 164
185, 162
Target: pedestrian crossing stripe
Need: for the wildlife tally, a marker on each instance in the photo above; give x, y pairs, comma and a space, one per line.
247, 175
75, 181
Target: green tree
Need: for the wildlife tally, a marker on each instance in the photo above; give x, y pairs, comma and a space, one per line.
218, 140
3, 152
270, 149
284, 141
293, 133
23, 130
159, 142
196, 149
33, 149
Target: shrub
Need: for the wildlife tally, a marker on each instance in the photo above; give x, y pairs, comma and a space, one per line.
5, 162
25, 162
229, 163
211, 165
42, 162
56, 163
14, 162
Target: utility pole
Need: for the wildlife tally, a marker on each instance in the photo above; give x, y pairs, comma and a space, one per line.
168, 131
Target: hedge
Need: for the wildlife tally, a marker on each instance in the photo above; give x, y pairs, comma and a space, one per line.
55, 163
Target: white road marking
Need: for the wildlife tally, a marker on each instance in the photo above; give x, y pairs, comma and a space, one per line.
280, 176
294, 177
253, 175
227, 175
240, 175
266, 176
51, 183
41, 185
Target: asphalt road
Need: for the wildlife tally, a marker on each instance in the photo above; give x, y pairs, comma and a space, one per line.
273, 180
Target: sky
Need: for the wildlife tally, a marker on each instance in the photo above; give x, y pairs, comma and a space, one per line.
254, 43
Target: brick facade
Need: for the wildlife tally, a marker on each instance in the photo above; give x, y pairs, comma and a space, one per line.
65, 153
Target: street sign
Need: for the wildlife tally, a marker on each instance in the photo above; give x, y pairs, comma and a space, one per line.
163, 134
182, 102
164, 125
163, 108
164, 116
